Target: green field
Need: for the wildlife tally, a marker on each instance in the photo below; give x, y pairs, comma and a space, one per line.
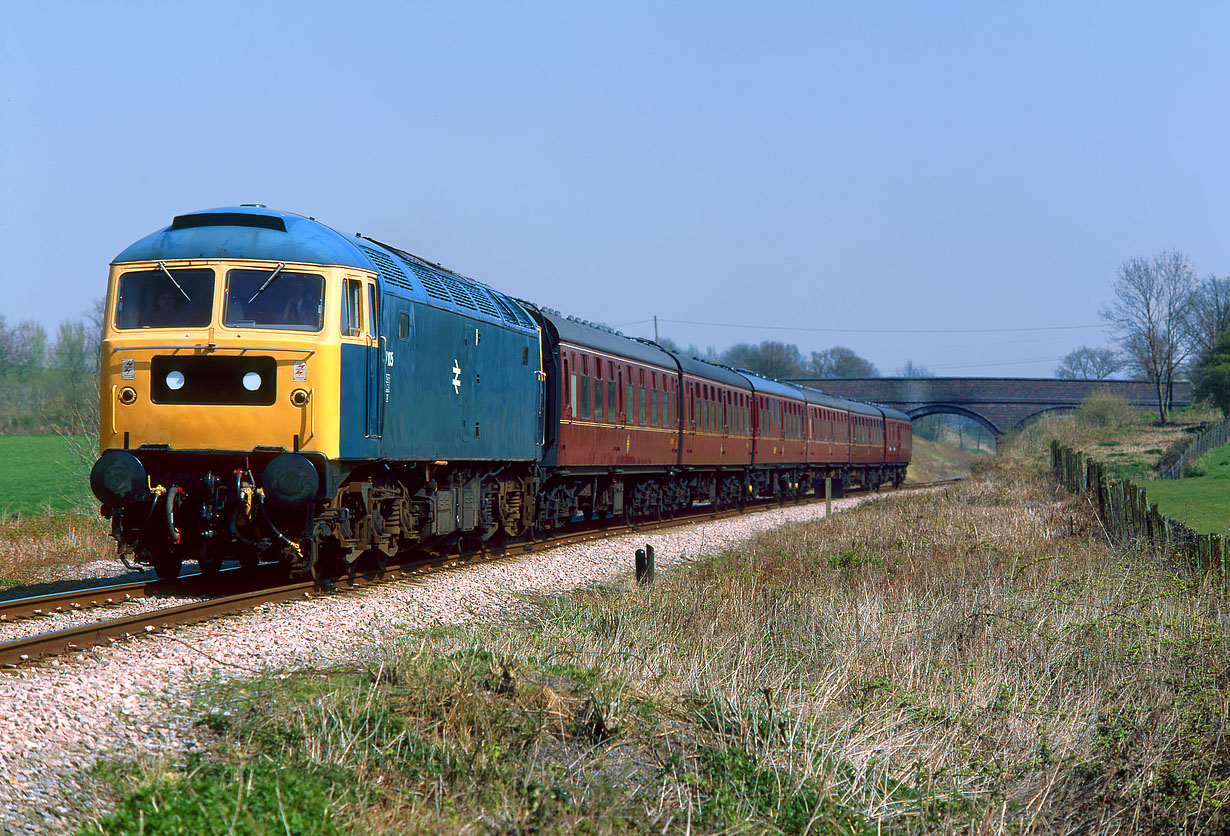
40, 473
1203, 502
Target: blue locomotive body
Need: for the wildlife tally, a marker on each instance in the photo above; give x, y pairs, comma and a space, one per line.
452, 375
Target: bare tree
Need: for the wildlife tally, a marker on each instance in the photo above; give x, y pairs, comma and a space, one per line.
1087, 363
912, 370
771, 359
6, 348
839, 361
27, 347
94, 334
1150, 312
1209, 314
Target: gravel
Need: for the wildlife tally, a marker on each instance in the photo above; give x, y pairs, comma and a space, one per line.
133, 698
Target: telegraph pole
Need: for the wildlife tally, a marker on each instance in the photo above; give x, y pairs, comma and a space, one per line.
655, 328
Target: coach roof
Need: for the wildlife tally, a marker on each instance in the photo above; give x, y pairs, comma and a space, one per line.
609, 342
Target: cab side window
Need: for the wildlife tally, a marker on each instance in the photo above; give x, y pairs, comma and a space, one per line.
352, 308
372, 319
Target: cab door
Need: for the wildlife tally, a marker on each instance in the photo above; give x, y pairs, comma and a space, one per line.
378, 380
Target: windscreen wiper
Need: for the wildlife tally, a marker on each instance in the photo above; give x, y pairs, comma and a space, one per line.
268, 282
178, 286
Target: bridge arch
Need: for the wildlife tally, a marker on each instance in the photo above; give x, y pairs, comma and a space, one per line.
953, 409
1033, 416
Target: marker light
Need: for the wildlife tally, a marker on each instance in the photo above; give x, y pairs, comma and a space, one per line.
175, 380
251, 381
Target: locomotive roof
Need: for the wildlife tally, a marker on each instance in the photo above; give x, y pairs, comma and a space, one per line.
262, 234
248, 232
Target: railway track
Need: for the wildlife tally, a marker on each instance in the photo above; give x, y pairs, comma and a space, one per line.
262, 586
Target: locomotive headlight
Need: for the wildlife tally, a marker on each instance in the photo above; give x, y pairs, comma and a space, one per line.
251, 381
299, 397
175, 380
128, 396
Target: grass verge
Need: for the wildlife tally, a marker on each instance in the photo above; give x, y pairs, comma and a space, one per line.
932, 461
1202, 499
1129, 443
44, 473
973, 660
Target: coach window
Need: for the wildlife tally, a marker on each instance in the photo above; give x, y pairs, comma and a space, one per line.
599, 390
641, 397
572, 401
610, 399
584, 395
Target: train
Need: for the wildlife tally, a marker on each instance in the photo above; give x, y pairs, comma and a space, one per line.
275, 390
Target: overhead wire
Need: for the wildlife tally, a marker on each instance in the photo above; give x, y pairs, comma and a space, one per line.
874, 330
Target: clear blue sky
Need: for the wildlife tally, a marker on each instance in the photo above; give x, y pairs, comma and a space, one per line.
808, 165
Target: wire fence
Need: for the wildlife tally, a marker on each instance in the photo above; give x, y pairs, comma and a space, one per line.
1214, 436
1126, 513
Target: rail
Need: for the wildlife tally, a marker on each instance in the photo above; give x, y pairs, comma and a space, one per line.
257, 590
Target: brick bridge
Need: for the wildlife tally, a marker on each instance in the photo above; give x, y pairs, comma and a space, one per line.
998, 403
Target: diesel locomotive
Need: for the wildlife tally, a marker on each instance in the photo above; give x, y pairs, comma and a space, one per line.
275, 390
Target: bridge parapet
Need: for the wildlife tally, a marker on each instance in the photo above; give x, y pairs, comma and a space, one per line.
998, 403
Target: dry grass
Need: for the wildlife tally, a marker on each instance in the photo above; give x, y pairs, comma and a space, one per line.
1131, 443
40, 547
983, 646
971, 660
974, 660
933, 461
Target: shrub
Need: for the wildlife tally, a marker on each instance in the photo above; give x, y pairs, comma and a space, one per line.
1102, 409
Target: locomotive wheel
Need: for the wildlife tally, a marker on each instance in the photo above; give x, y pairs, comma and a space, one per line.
210, 562
249, 558
167, 564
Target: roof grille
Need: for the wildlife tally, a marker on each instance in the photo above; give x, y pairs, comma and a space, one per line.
228, 219
512, 311
447, 286
387, 267
431, 282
